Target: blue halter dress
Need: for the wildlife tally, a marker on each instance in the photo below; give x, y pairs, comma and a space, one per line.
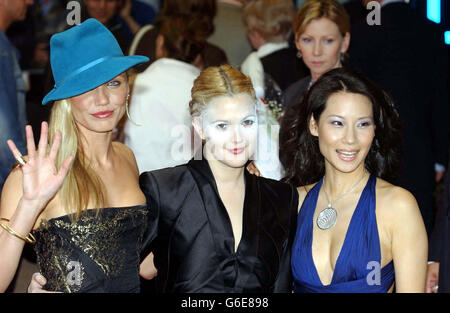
358, 266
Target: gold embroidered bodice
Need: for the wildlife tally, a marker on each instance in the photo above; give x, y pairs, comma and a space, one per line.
97, 253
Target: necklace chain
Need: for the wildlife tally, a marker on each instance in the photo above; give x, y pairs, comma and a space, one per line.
330, 204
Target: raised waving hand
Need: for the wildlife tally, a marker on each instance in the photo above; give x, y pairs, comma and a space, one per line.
41, 180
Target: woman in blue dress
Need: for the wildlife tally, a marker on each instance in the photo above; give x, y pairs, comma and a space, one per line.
356, 232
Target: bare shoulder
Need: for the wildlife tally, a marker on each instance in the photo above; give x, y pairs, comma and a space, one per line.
302, 192
398, 197
396, 203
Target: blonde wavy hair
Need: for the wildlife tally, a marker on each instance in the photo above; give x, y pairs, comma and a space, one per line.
82, 187
216, 81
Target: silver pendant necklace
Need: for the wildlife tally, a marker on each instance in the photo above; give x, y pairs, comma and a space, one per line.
327, 217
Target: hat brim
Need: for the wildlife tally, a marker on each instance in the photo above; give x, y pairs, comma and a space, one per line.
93, 77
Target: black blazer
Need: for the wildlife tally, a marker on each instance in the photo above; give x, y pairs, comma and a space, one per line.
405, 55
284, 67
295, 92
439, 247
194, 244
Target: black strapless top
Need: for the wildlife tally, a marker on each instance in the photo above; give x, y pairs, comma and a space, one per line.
98, 253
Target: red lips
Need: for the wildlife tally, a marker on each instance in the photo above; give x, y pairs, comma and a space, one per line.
316, 63
237, 151
103, 114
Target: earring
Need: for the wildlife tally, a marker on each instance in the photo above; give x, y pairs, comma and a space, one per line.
128, 113
299, 55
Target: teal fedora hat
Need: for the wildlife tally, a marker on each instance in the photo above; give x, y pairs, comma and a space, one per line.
85, 57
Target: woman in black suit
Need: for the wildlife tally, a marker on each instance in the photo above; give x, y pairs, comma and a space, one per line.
218, 228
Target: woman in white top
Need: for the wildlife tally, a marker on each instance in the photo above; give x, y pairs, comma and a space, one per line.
160, 130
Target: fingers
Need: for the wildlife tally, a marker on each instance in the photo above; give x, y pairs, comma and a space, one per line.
36, 284
252, 169
43, 141
12, 146
428, 285
432, 287
39, 279
65, 166
431, 284
31, 148
55, 146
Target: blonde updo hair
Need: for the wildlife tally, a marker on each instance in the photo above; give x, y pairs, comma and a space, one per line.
316, 9
271, 18
216, 81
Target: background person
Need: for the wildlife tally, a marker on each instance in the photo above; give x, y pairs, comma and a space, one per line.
322, 37
159, 132
416, 76
203, 11
12, 86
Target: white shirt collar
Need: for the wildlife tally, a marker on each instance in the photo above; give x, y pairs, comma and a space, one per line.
271, 47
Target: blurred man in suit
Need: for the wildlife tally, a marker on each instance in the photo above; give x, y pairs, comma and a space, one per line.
438, 274
12, 87
406, 56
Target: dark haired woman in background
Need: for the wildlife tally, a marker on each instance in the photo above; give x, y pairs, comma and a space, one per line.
202, 11
353, 226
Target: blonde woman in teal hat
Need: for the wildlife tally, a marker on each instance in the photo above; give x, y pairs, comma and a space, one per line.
76, 196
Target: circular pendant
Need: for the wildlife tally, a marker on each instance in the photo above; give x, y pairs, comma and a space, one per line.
327, 218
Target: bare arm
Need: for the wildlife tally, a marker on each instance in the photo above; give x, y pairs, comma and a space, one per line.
409, 243
27, 191
22, 219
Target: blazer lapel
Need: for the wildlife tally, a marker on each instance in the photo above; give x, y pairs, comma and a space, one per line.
217, 215
220, 223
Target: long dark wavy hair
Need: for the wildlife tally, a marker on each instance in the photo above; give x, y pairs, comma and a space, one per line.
300, 154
